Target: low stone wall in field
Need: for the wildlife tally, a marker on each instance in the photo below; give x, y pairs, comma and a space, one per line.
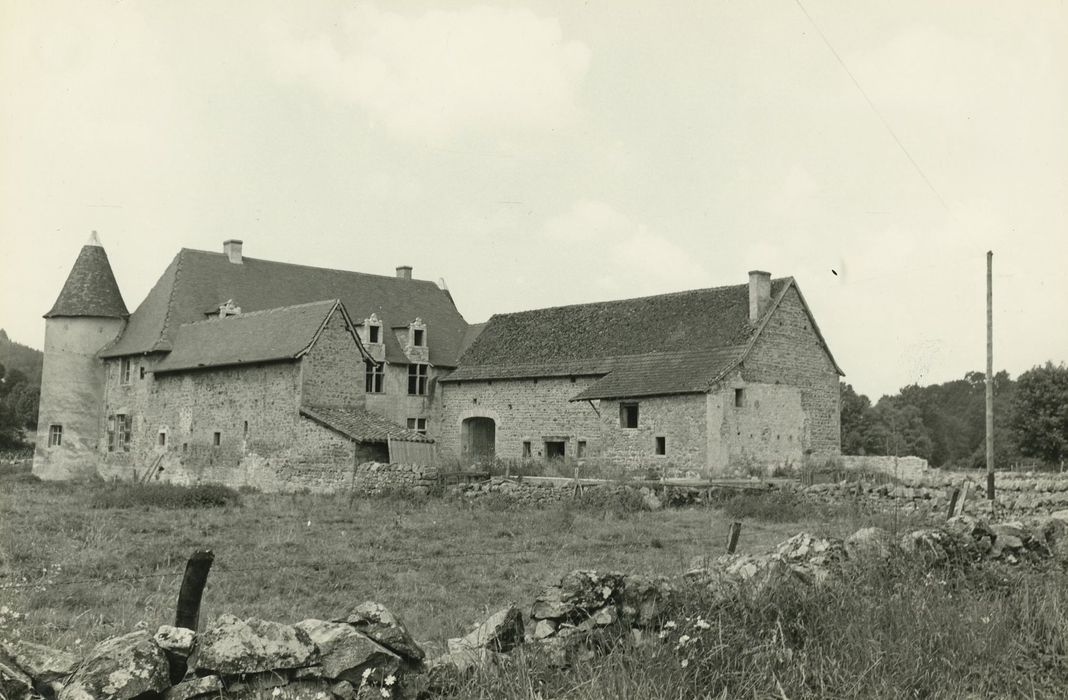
377, 478
897, 467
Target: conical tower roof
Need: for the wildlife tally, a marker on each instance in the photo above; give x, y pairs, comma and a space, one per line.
90, 289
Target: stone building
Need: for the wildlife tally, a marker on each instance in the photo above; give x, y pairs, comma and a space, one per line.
276, 375
712, 380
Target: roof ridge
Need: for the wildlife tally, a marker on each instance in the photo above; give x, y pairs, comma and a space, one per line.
316, 267
681, 292
261, 312
170, 298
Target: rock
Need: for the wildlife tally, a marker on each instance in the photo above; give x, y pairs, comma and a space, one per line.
869, 543
1054, 532
378, 623
544, 629
15, 684
462, 661
579, 593
44, 664
345, 654
604, 617
501, 631
296, 690
235, 646
343, 689
194, 688
120, 668
644, 598
177, 640
803, 547
935, 545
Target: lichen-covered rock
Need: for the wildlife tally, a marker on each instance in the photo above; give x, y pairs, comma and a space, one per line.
177, 640
235, 646
501, 631
344, 653
579, 593
120, 667
378, 623
197, 687
544, 628
1054, 532
804, 547
44, 664
869, 543
644, 598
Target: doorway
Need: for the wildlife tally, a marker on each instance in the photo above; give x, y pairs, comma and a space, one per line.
478, 439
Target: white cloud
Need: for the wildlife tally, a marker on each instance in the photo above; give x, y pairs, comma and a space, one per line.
445, 71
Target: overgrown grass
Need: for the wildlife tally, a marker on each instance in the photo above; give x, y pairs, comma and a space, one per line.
156, 495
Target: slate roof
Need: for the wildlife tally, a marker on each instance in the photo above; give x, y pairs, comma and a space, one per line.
262, 336
361, 425
649, 346
197, 281
90, 289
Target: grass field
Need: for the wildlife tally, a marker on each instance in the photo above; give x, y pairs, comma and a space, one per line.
91, 561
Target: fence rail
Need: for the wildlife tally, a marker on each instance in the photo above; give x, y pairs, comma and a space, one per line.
24, 454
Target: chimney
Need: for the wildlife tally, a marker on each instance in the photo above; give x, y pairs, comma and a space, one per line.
232, 248
404, 272
759, 294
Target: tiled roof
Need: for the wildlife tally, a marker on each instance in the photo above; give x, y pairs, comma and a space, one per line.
361, 425
261, 336
663, 373
197, 281
90, 289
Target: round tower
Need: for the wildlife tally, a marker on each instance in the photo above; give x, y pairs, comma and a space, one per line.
88, 314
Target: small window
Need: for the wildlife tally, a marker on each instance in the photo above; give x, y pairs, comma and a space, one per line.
418, 337
124, 370
162, 440
526, 449
555, 449
417, 376
580, 450
628, 415
120, 427
661, 446
374, 334
185, 447
216, 438
245, 429
739, 398
142, 371
418, 425
374, 377
55, 435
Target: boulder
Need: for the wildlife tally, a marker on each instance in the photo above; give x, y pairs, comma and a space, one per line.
120, 668
501, 631
544, 628
378, 623
44, 664
15, 684
177, 640
803, 547
869, 543
345, 654
195, 688
235, 646
644, 598
1054, 532
579, 593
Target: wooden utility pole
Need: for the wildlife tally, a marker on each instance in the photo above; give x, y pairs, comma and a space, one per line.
990, 376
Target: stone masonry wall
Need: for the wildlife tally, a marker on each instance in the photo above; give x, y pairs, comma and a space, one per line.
333, 370
789, 352
680, 420
764, 433
898, 467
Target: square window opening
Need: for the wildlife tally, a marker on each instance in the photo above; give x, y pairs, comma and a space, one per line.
216, 438
555, 449
526, 449
373, 334
661, 446
739, 398
628, 415
418, 425
418, 337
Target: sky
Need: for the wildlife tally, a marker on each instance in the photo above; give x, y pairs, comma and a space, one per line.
552, 153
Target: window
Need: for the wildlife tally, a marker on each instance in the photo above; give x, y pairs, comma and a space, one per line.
374, 377
555, 449
417, 379
374, 334
739, 398
417, 424
526, 449
418, 337
661, 446
162, 438
628, 415
142, 371
580, 451
55, 435
245, 430
120, 426
216, 438
124, 370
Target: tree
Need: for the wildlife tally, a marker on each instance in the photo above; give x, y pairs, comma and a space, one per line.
1040, 420
856, 420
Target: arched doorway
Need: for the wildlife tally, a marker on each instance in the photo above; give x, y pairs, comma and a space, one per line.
478, 437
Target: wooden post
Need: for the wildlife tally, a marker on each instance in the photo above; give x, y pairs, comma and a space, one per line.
964, 487
953, 504
733, 534
990, 376
196, 576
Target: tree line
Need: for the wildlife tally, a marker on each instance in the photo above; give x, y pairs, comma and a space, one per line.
946, 423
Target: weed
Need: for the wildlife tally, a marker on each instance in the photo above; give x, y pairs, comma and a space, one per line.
130, 495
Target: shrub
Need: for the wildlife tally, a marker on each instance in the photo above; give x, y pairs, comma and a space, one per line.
131, 495
620, 501
768, 506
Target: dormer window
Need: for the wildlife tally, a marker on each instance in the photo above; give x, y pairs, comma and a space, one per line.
374, 329
417, 334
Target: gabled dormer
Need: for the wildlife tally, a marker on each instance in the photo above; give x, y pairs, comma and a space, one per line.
415, 342
371, 333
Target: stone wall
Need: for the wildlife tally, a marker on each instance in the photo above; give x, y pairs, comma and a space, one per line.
897, 467
760, 430
332, 373
680, 420
789, 352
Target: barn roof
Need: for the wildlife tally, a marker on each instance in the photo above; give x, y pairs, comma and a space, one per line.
262, 336
361, 425
90, 289
657, 345
197, 282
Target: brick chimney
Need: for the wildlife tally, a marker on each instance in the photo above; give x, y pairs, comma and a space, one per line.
759, 294
404, 272
232, 248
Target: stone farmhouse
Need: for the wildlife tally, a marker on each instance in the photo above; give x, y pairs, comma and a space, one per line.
277, 375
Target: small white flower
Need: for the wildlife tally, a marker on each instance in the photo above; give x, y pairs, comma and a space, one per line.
384, 692
702, 625
367, 673
684, 639
391, 679
662, 635
276, 692
669, 625
684, 663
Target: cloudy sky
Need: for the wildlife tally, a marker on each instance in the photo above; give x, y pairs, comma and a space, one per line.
563, 152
